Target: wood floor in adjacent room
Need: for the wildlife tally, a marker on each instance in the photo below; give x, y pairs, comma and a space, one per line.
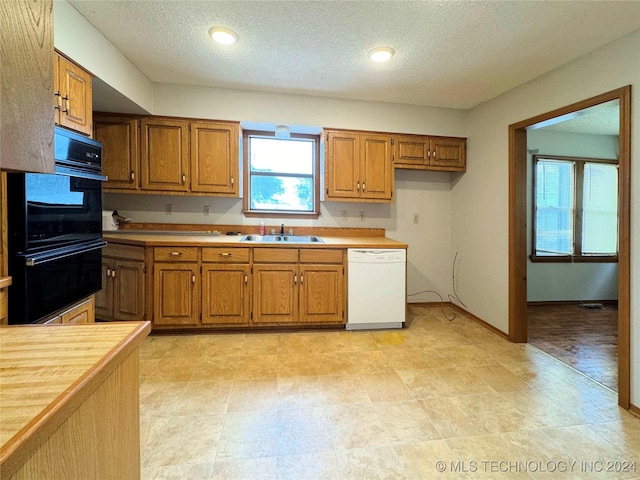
583, 339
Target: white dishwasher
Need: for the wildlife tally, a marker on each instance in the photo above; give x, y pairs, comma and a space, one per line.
376, 288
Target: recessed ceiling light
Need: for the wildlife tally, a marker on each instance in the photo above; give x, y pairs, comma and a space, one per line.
381, 54
223, 36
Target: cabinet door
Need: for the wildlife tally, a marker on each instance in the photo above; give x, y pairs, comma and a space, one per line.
104, 298
164, 156
26, 113
82, 313
225, 294
176, 294
322, 293
449, 154
214, 158
128, 290
120, 150
76, 91
342, 172
275, 297
376, 169
411, 151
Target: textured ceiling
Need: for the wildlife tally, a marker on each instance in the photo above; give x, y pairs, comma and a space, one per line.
454, 54
603, 119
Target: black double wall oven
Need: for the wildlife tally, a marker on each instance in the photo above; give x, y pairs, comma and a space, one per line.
55, 230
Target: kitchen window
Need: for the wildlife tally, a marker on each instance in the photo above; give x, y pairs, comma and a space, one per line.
575, 210
281, 175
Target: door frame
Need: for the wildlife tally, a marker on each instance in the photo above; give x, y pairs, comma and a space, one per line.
518, 228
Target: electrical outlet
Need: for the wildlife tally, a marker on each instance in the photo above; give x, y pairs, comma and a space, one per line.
344, 215
416, 218
206, 210
361, 216
168, 209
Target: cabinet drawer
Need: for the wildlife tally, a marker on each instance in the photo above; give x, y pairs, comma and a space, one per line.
225, 255
320, 255
116, 250
275, 255
175, 254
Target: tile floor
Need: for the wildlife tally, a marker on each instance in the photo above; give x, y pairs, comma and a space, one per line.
340, 405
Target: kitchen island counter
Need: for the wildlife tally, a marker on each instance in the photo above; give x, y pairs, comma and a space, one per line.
69, 401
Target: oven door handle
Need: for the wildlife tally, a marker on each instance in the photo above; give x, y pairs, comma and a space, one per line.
64, 252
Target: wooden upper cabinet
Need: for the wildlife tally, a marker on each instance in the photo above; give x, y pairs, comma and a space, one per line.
26, 116
420, 152
214, 157
119, 136
164, 154
448, 154
74, 96
358, 166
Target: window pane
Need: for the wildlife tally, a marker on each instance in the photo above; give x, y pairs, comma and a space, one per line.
281, 156
554, 207
600, 209
270, 192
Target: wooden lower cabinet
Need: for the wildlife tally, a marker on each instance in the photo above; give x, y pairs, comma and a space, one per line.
123, 290
176, 298
81, 312
276, 293
226, 294
322, 293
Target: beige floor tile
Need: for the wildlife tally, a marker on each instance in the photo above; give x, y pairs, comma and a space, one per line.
260, 344
160, 398
313, 466
151, 435
463, 381
386, 339
335, 363
405, 422
358, 341
500, 378
424, 383
329, 342
385, 387
290, 343
209, 369
426, 460
249, 435
451, 419
148, 369
299, 392
356, 426
246, 469
406, 358
296, 365
155, 346
624, 434
370, 464
256, 366
248, 395
204, 397
184, 346
460, 356
188, 440
494, 412
343, 389
192, 471
221, 344
373, 361
172, 369
303, 431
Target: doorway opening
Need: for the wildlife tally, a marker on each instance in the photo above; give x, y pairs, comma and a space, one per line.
518, 226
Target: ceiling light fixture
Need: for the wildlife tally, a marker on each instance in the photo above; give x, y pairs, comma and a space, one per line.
282, 132
381, 54
223, 35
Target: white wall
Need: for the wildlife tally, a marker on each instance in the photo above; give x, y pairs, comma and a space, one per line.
480, 197
76, 38
568, 281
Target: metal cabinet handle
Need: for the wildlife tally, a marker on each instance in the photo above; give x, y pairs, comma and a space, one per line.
232, 180
301, 279
184, 178
108, 272
66, 98
225, 254
358, 187
113, 273
175, 254
363, 187
193, 278
58, 100
246, 279
295, 279
133, 176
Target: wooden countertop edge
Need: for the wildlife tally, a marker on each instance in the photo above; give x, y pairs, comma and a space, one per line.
352, 242
17, 450
5, 282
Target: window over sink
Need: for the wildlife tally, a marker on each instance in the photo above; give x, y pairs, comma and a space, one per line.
281, 175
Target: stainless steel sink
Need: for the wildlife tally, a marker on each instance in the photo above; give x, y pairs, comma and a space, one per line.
281, 239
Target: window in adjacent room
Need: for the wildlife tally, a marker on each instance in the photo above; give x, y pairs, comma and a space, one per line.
575, 204
281, 176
